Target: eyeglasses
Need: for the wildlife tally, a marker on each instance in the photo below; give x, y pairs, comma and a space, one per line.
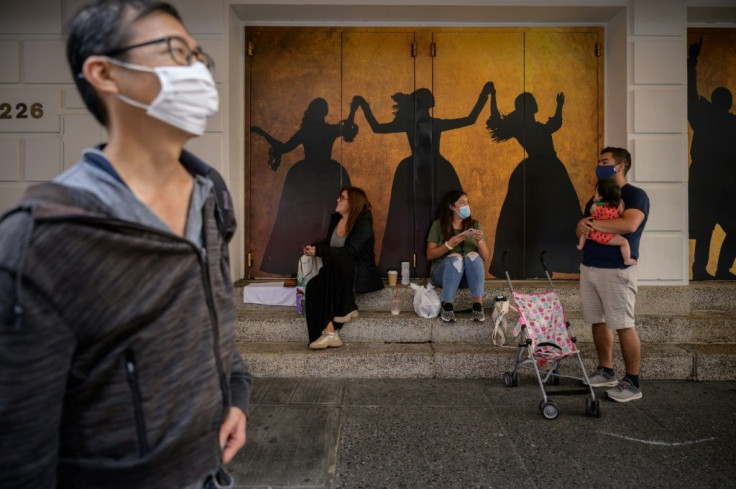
179, 50
340, 198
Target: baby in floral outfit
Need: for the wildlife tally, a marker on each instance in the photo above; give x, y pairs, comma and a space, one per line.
607, 204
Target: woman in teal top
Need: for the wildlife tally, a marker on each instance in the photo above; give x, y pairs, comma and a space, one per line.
458, 252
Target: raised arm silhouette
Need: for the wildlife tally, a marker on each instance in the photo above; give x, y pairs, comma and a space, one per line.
422, 178
541, 207
310, 187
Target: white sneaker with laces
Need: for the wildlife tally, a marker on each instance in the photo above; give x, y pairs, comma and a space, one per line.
328, 339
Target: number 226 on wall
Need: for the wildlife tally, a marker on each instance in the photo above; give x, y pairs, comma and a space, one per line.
21, 111
30, 110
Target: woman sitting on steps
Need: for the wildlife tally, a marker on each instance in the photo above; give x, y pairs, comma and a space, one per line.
458, 251
349, 265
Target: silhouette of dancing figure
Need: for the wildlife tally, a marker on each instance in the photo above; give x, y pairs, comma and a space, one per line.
307, 199
420, 180
712, 176
541, 208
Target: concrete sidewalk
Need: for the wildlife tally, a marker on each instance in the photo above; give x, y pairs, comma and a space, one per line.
432, 433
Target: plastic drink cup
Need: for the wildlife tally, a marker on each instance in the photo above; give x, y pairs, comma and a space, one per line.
392, 276
404, 273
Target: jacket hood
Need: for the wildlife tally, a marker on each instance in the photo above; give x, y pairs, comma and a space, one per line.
46, 201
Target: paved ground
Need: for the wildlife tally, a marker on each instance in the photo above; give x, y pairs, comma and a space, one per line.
429, 433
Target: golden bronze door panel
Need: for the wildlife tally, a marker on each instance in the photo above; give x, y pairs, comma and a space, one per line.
405, 114
377, 65
295, 111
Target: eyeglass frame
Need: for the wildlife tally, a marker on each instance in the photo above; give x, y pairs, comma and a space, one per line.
196, 53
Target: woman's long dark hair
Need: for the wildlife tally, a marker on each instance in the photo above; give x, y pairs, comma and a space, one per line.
509, 125
445, 214
357, 204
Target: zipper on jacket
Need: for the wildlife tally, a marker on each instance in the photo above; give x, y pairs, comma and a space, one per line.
224, 387
132, 375
203, 261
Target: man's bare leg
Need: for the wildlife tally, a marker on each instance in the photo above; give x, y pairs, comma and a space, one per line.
631, 350
603, 339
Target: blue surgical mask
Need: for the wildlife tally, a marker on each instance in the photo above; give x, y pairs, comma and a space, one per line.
604, 172
464, 211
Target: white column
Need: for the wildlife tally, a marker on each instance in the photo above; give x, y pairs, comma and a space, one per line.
657, 133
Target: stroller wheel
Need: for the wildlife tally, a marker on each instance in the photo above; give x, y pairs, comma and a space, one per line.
510, 379
550, 410
592, 408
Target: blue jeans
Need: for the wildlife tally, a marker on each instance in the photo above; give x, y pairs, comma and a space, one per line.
456, 272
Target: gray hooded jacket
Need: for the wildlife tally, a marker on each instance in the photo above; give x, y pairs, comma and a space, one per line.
117, 352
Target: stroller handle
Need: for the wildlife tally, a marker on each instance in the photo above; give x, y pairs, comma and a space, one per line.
541, 259
506, 270
544, 267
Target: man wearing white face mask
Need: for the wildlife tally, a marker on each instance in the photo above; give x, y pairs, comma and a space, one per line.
117, 323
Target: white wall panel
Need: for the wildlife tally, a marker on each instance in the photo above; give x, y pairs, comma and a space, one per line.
215, 49
215, 123
41, 158
9, 158
661, 257
659, 17
9, 61
659, 110
659, 62
30, 17
10, 195
72, 99
208, 148
201, 17
659, 158
667, 207
44, 61
80, 132
71, 7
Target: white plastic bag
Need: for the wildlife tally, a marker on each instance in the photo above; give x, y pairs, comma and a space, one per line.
308, 269
426, 301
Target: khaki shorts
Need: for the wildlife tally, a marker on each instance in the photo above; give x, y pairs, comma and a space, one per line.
609, 295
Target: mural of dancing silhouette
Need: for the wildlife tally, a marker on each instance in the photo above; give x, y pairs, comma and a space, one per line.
541, 207
712, 175
310, 187
420, 180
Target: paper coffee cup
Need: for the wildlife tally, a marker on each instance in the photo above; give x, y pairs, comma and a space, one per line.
392, 275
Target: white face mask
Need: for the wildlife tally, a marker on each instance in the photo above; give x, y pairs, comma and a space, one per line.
187, 98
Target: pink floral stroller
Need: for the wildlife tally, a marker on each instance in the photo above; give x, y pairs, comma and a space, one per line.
544, 342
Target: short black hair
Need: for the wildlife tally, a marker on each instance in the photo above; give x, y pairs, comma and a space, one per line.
620, 155
98, 28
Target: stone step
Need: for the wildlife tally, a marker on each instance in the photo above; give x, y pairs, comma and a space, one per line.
430, 360
282, 324
652, 299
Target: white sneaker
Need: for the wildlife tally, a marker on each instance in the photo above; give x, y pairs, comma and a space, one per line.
328, 339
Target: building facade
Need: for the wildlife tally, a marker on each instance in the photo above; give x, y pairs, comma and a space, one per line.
46, 126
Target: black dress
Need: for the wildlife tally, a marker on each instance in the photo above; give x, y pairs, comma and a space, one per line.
540, 211
307, 198
345, 270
